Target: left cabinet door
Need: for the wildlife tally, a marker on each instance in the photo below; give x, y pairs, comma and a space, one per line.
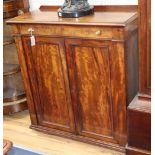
47, 71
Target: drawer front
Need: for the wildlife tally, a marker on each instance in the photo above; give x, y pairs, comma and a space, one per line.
75, 31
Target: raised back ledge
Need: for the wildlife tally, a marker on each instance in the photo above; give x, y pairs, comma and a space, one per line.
98, 8
118, 19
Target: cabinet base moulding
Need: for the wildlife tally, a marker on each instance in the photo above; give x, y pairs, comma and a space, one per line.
64, 134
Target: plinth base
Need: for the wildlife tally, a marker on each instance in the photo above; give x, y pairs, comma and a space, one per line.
75, 14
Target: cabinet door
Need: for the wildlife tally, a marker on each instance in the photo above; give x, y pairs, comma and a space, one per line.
47, 72
96, 73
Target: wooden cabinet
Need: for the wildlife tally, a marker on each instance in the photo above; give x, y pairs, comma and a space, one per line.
47, 68
79, 74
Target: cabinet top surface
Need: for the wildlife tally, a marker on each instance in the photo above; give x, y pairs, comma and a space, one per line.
99, 18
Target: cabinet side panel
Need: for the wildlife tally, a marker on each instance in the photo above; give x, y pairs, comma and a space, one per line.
24, 70
132, 76
119, 91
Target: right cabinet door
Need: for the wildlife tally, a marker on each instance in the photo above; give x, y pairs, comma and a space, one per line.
97, 83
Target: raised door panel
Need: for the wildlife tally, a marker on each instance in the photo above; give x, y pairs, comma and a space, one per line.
89, 64
49, 81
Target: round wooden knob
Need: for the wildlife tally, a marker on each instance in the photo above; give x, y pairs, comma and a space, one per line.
98, 32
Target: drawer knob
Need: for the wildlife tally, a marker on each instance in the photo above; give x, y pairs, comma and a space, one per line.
98, 32
31, 31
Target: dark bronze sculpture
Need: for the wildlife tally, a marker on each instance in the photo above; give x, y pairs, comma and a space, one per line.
75, 8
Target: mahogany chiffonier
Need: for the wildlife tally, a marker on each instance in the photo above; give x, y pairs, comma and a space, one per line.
79, 73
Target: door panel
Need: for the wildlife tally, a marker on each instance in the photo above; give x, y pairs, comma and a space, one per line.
49, 80
89, 64
92, 72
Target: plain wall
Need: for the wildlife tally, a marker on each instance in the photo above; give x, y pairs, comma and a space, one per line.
35, 4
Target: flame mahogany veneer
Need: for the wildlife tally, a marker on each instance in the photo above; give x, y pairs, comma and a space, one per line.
80, 75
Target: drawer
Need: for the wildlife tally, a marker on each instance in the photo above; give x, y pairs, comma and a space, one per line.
74, 31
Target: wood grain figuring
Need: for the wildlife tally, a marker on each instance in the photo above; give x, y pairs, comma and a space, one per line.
53, 100
92, 73
145, 46
118, 92
14, 5
26, 81
139, 110
11, 7
100, 18
93, 77
73, 31
76, 74
149, 44
91, 66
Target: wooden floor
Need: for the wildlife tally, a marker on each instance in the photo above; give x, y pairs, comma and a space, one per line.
16, 129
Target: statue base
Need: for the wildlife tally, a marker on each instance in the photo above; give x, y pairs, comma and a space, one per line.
75, 14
